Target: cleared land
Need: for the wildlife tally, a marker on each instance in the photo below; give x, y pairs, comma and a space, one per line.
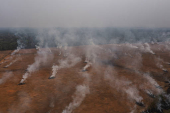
119, 76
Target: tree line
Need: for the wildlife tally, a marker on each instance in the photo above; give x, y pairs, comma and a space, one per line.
12, 38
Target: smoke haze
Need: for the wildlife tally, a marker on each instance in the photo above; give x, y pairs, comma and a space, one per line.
89, 46
85, 13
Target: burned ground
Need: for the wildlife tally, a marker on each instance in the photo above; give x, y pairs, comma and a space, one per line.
128, 67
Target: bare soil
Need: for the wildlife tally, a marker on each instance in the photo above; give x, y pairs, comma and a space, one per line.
39, 92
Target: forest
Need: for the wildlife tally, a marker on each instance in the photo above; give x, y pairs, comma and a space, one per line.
11, 38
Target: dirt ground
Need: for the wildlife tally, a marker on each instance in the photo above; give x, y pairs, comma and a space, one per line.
42, 95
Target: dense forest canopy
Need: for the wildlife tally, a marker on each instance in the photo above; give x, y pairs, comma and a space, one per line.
11, 38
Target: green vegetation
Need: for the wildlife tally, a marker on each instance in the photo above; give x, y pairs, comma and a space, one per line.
7, 41
10, 39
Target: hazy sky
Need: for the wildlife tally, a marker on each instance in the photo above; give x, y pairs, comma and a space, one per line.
84, 13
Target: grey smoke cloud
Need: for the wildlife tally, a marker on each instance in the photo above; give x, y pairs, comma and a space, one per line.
84, 13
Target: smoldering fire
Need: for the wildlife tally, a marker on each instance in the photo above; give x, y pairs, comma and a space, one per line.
112, 74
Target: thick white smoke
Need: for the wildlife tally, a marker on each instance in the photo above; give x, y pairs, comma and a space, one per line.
41, 59
54, 70
87, 66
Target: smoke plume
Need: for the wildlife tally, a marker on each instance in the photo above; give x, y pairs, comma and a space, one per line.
79, 95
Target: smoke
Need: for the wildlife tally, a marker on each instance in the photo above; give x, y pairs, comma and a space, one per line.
87, 66
136, 64
131, 46
122, 85
20, 46
54, 70
159, 105
137, 61
151, 83
79, 95
12, 62
52, 37
93, 52
16, 51
59, 53
159, 63
145, 48
3, 62
38, 47
42, 58
65, 50
52, 103
133, 93
5, 77
70, 61
150, 93
134, 109
23, 104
